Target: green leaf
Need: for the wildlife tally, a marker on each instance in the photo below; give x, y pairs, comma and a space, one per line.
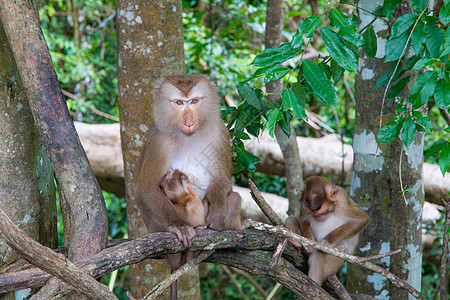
273, 116
309, 26
339, 51
408, 132
347, 29
326, 69
370, 42
423, 62
297, 40
418, 5
290, 100
419, 38
442, 93
445, 47
276, 69
435, 148
402, 25
398, 88
422, 88
444, 14
396, 46
272, 56
336, 71
249, 95
319, 83
378, 12
246, 158
389, 132
424, 123
435, 37
389, 7
384, 79
285, 123
241, 135
444, 159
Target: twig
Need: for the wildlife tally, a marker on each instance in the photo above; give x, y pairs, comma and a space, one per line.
91, 107
50, 261
262, 203
251, 280
378, 256
398, 282
277, 254
339, 288
273, 291
234, 281
160, 287
444, 258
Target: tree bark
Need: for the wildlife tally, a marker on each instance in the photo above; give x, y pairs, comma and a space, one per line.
288, 145
379, 171
150, 46
19, 187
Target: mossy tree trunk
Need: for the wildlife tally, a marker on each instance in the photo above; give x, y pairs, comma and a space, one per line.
379, 172
150, 46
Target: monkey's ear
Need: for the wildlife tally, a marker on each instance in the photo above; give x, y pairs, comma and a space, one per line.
334, 191
299, 192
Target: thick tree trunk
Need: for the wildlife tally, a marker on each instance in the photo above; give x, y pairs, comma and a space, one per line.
288, 145
150, 46
84, 200
376, 183
28, 200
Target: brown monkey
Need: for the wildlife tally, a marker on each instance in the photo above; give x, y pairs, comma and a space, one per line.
187, 134
177, 187
329, 216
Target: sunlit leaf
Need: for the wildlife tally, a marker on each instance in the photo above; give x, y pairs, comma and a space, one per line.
442, 93
290, 100
444, 159
408, 132
338, 50
319, 83
249, 95
402, 24
308, 26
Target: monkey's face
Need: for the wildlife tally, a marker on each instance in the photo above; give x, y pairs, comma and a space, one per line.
315, 201
176, 186
185, 104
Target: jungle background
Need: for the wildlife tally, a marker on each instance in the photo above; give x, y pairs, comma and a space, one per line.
222, 40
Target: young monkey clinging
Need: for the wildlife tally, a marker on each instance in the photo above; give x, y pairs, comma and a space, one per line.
329, 216
177, 187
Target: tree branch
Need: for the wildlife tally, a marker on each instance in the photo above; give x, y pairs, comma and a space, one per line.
50, 261
444, 258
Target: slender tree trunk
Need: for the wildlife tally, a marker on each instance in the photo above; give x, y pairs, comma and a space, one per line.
74, 175
150, 46
379, 171
288, 145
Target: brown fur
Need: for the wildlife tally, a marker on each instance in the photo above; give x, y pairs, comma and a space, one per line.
176, 186
166, 140
329, 216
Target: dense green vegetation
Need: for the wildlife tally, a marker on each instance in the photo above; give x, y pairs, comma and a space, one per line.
225, 41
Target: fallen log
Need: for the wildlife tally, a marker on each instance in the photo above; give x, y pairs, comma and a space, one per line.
321, 156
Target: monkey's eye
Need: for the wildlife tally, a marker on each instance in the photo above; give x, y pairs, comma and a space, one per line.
179, 102
194, 101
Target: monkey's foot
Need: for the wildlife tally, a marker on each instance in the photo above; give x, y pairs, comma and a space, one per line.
201, 227
184, 233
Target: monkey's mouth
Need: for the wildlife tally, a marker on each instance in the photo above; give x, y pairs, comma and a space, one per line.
322, 216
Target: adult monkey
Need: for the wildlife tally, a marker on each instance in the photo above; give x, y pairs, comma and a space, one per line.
188, 135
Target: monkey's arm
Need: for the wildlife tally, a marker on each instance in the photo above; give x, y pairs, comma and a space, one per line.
357, 220
224, 204
157, 210
291, 223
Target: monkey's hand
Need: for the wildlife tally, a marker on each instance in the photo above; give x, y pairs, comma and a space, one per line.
184, 233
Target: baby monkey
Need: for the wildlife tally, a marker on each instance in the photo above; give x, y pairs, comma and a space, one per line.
177, 187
